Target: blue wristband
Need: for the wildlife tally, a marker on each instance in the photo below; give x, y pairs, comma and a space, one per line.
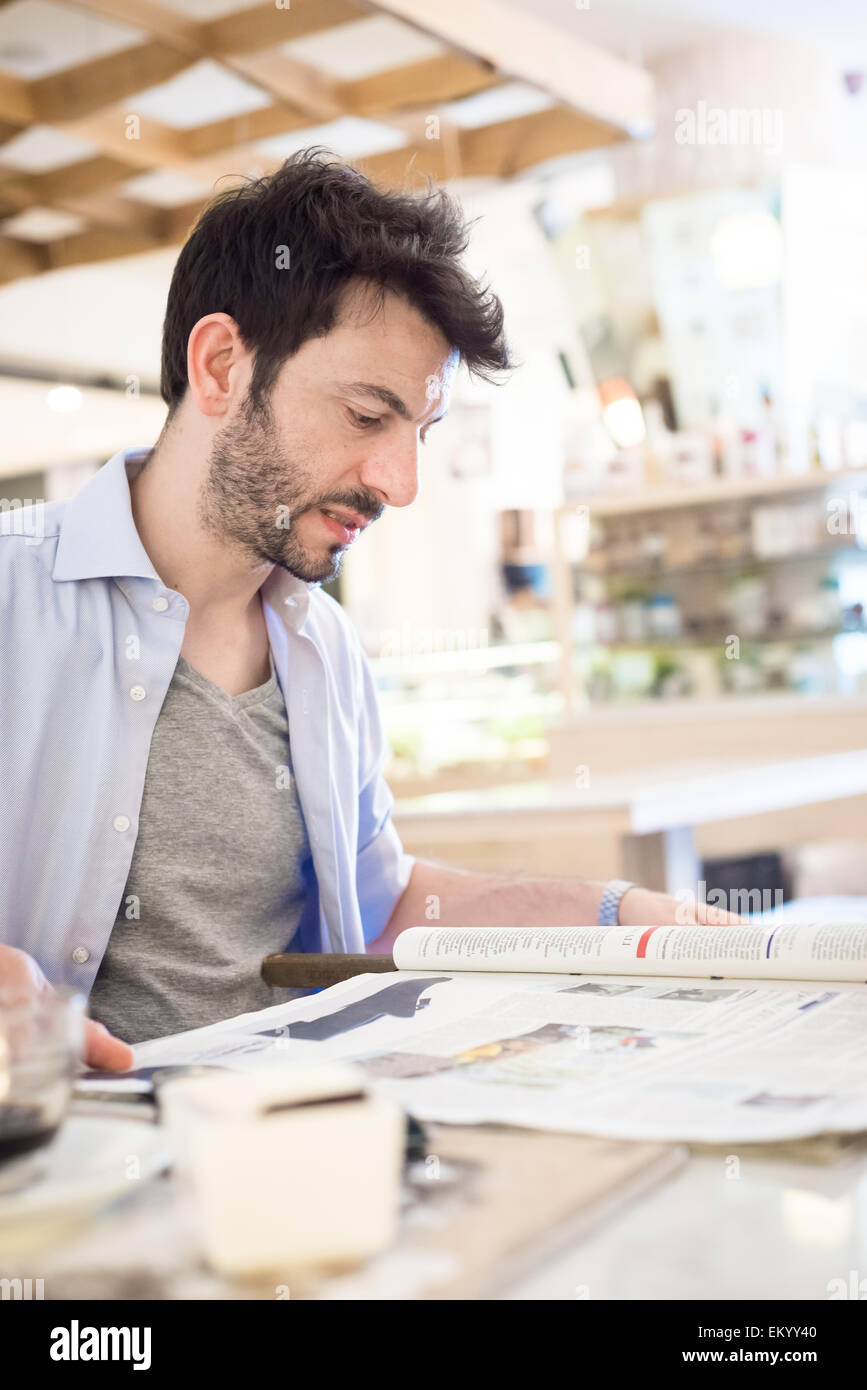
609, 903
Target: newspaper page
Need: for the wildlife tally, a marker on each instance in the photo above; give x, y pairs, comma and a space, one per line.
652, 1058
754, 951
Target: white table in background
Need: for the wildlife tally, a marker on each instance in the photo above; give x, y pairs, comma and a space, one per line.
650, 815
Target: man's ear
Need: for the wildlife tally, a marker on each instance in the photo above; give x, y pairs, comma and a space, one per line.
218, 364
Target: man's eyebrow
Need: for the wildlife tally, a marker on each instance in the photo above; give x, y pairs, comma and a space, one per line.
382, 393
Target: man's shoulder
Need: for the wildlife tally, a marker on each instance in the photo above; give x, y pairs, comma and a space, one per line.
28, 528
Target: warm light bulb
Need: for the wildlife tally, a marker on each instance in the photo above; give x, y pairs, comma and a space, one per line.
64, 399
624, 421
747, 250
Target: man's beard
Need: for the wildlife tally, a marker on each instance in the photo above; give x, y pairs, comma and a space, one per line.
253, 496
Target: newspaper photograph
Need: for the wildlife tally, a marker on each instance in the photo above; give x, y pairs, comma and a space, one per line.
628, 1058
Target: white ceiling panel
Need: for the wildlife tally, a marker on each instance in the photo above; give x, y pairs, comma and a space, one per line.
497, 104
202, 93
206, 10
358, 49
38, 38
166, 188
41, 148
42, 225
350, 137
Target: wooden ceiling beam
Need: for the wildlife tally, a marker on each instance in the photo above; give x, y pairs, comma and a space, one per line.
20, 258
238, 131
297, 85
599, 99
494, 151
159, 21
410, 166
80, 91
263, 26
522, 46
16, 102
80, 179
155, 145
7, 130
509, 147
112, 212
490, 151
99, 244
238, 41
447, 77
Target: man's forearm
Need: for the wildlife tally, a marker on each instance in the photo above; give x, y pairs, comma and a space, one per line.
440, 896
445, 897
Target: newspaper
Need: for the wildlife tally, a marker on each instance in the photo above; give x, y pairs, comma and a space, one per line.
778, 951
691, 1059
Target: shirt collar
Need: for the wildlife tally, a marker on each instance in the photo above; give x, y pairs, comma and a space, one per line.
99, 540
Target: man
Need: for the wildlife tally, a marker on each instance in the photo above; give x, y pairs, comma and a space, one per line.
191, 753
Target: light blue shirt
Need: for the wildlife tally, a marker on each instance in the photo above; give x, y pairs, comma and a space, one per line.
89, 640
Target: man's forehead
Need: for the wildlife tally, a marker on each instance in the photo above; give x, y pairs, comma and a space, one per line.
389, 323
403, 395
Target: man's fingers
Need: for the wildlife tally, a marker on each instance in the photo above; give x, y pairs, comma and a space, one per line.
104, 1052
20, 974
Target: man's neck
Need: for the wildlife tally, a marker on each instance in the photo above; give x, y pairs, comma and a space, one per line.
214, 576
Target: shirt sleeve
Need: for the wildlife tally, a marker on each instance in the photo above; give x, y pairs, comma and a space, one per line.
383, 866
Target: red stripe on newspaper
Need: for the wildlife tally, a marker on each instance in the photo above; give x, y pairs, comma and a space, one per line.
643, 940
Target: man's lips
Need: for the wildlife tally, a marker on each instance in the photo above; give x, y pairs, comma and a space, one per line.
344, 525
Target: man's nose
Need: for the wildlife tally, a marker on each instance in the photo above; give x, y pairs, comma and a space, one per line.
391, 470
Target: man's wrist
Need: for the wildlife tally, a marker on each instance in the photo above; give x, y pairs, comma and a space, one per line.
609, 904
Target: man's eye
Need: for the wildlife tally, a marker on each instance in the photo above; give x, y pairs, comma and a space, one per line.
364, 421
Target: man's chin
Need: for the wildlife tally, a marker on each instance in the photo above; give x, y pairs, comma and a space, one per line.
312, 570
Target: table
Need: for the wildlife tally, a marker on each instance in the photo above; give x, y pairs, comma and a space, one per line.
738, 1224
646, 818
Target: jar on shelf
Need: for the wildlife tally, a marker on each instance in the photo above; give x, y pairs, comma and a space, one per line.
831, 611
605, 622
747, 605
633, 617
663, 616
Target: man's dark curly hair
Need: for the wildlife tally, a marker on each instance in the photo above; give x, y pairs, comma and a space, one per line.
334, 227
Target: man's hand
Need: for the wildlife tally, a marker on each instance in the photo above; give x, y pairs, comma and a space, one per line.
641, 908
22, 976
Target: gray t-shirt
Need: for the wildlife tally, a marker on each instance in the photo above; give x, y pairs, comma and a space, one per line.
220, 867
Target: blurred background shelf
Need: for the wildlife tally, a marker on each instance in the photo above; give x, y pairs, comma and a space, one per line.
663, 498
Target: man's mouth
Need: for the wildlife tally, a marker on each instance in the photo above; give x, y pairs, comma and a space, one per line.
344, 525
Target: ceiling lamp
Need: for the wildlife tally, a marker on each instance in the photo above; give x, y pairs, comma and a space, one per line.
622, 413
747, 250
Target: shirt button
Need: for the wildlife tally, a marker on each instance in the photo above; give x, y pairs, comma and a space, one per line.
80, 955
138, 692
161, 604
121, 822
